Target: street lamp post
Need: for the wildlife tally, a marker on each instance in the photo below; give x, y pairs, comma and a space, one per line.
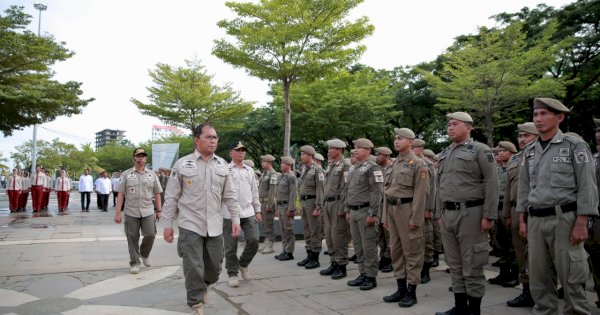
40, 7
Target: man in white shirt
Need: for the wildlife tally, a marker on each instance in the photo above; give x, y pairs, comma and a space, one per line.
115, 181
103, 189
86, 185
244, 181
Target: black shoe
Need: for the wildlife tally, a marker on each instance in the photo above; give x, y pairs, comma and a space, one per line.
353, 258
387, 265
461, 306
502, 277
340, 272
368, 284
304, 261
560, 293
286, 256
512, 280
358, 281
425, 273
436, 260
447, 270
326, 253
410, 298
330, 270
313, 262
279, 255
399, 294
523, 300
598, 304
382, 262
474, 305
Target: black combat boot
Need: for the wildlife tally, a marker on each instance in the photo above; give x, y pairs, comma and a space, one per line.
286, 256
330, 270
425, 273
353, 258
500, 278
399, 294
512, 279
339, 273
461, 306
368, 284
523, 300
436, 259
280, 255
305, 261
358, 281
410, 298
387, 266
313, 262
474, 305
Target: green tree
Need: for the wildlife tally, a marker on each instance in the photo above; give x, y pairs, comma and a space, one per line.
28, 95
22, 156
288, 41
82, 159
185, 97
493, 76
113, 157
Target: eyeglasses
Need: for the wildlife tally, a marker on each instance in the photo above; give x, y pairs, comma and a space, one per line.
211, 138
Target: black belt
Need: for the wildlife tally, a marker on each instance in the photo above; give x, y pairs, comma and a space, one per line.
334, 198
450, 205
357, 207
282, 202
392, 201
307, 197
545, 212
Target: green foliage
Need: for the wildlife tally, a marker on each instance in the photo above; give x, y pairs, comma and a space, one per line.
185, 97
285, 42
114, 157
28, 95
493, 76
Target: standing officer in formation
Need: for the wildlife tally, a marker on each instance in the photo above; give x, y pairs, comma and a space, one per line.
311, 200
286, 208
200, 183
468, 205
47, 189
430, 156
527, 134
337, 232
38, 182
558, 190
406, 192
364, 191
13, 190
63, 189
244, 181
428, 259
592, 244
25, 189
267, 187
382, 158
136, 187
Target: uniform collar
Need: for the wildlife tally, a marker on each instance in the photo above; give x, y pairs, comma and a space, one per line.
198, 155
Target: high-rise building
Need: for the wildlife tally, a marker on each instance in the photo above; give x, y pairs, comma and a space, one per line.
106, 136
159, 131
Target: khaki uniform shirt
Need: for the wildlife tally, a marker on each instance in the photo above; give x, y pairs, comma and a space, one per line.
431, 195
286, 190
335, 180
365, 186
409, 179
311, 183
62, 184
138, 189
244, 182
511, 184
467, 172
195, 192
560, 174
267, 187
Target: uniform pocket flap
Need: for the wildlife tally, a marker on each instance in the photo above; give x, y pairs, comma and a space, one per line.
481, 247
577, 254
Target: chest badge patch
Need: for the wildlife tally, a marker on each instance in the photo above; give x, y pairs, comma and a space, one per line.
188, 182
132, 189
563, 152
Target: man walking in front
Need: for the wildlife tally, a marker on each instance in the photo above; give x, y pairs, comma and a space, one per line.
557, 189
86, 186
200, 182
103, 190
136, 187
243, 179
468, 205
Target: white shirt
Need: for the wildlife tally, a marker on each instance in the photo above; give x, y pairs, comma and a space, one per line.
114, 181
244, 182
103, 186
86, 183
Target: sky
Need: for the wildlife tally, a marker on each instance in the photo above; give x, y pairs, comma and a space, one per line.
116, 43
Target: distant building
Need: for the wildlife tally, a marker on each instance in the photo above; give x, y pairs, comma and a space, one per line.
159, 131
107, 136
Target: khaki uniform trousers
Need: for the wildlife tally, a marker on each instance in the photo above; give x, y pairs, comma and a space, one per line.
132, 230
268, 221
549, 248
406, 246
384, 243
337, 232
311, 226
520, 246
466, 249
286, 224
365, 241
428, 238
437, 237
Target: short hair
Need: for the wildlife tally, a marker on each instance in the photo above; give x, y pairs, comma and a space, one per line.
198, 129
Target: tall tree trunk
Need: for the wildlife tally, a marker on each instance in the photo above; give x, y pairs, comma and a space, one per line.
288, 117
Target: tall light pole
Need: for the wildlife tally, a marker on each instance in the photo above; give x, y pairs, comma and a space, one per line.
40, 7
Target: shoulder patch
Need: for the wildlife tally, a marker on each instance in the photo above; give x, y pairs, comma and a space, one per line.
321, 176
581, 156
378, 176
174, 173
423, 175
490, 156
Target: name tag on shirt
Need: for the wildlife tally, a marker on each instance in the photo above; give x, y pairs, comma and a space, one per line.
131, 176
189, 164
561, 159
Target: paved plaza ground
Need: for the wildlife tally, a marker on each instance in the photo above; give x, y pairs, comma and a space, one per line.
77, 263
